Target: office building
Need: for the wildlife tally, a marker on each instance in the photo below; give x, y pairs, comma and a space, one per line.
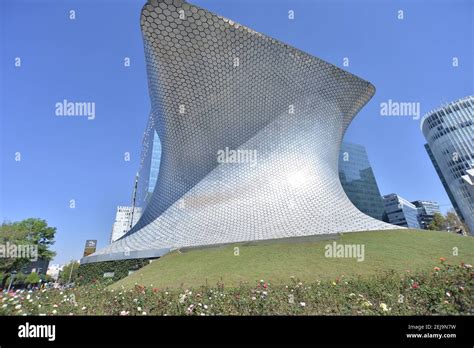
358, 180
426, 211
449, 132
124, 220
400, 212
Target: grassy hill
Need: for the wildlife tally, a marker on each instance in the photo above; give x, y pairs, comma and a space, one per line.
399, 250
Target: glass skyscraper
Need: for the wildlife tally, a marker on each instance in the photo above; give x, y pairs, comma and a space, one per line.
155, 162
426, 211
449, 132
358, 180
149, 166
401, 212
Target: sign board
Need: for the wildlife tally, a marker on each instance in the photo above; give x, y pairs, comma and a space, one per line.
90, 247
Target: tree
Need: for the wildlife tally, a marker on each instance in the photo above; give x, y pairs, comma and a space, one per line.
453, 223
31, 231
438, 223
32, 278
39, 233
70, 271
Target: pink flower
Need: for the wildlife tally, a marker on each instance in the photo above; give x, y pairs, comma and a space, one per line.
415, 285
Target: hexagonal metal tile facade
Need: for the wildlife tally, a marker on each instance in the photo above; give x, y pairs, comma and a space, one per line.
217, 85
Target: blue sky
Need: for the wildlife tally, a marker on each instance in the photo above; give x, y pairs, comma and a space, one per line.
64, 158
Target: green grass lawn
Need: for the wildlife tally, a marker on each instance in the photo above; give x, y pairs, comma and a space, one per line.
398, 250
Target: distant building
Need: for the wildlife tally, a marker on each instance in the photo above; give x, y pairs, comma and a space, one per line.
400, 212
123, 221
449, 133
149, 166
39, 266
426, 211
358, 180
53, 271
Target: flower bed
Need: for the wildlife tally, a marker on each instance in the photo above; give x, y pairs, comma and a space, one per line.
445, 290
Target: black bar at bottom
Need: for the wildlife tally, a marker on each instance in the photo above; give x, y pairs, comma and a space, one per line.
450, 330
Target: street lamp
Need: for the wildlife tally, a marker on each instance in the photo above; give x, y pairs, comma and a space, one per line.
12, 276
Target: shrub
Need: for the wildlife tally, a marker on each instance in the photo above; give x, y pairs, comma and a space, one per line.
444, 291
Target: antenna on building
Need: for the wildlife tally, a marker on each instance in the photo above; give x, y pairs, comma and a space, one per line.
134, 198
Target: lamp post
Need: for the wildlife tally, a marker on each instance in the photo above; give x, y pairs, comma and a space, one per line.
12, 276
70, 273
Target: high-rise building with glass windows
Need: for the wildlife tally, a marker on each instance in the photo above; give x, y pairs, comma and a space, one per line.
149, 166
400, 212
358, 180
154, 163
426, 211
449, 132
125, 218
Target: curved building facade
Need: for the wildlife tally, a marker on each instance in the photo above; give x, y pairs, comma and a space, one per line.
449, 132
250, 131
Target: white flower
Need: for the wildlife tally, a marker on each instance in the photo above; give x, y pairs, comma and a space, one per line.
124, 313
83, 308
384, 307
55, 306
205, 306
144, 313
302, 304
139, 309
18, 306
254, 298
264, 293
448, 294
4, 306
54, 311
